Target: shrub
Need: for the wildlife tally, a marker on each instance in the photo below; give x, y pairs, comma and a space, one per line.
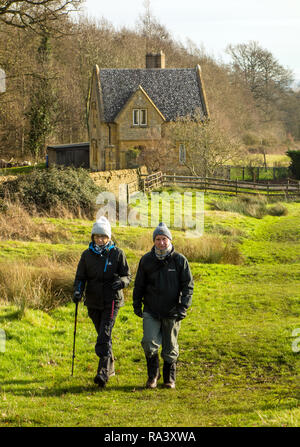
295, 163
53, 190
278, 210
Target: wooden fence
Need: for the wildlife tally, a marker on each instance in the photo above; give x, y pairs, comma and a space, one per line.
290, 188
152, 181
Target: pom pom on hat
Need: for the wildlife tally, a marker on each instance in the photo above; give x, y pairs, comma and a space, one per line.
163, 230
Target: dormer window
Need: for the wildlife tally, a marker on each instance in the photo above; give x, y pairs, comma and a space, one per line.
139, 117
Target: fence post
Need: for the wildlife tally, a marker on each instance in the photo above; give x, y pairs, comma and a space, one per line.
236, 186
268, 188
287, 187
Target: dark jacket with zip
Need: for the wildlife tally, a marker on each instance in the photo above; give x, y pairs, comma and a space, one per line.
96, 273
162, 285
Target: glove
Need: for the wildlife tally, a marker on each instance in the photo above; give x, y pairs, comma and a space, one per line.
117, 284
181, 312
77, 296
138, 312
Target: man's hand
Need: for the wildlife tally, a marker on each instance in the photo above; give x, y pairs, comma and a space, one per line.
77, 296
181, 312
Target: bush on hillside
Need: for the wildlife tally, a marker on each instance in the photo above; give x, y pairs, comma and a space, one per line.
53, 190
278, 210
295, 163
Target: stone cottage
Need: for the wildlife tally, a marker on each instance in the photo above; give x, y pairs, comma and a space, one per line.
128, 107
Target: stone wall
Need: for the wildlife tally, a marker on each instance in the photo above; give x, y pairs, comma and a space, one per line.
110, 180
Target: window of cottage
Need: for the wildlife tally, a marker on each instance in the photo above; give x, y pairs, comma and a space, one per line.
182, 153
139, 117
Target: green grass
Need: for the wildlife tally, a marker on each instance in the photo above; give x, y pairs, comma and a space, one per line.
236, 364
21, 169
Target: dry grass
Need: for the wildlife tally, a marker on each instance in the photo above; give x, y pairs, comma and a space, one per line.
206, 249
209, 249
44, 284
17, 224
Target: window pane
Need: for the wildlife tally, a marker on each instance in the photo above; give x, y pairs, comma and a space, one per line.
143, 114
136, 117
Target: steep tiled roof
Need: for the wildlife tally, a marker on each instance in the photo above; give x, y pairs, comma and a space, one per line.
176, 92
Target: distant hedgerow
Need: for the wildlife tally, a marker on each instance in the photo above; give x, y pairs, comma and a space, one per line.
53, 190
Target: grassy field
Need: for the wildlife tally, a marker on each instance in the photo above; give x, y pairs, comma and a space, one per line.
237, 365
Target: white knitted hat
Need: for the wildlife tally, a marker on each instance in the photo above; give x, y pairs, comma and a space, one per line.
102, 226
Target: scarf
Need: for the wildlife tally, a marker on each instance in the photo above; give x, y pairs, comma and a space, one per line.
162, 254
100, 249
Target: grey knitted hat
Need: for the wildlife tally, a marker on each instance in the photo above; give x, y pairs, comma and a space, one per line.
102, 226
163, 230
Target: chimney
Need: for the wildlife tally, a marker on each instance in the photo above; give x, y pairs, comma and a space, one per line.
157, 60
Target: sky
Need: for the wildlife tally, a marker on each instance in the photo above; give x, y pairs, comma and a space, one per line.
214, 24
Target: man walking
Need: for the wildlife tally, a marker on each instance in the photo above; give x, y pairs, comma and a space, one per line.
164, 286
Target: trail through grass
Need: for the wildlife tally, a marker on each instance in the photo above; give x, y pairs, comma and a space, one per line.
236, 365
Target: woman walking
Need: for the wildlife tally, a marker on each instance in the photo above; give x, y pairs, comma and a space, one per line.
102, 272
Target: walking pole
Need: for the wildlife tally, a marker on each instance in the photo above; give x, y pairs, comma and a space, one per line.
76, 309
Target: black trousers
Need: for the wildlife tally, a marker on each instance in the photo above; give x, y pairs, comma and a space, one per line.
104, 321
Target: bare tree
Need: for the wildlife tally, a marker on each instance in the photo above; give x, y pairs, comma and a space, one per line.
153, 32
207, 147
262, 73
35, 14
156, 154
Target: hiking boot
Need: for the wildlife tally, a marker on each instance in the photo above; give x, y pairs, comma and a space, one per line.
169, 374
153, 371
102, 376
100, 381
152, 383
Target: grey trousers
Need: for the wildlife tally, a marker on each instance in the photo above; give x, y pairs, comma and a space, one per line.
163, 333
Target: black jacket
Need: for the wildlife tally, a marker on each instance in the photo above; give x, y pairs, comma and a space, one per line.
97, 272
163, 285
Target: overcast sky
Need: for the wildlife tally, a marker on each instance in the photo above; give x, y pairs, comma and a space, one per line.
213, 24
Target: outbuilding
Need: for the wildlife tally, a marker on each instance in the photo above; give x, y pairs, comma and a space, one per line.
76, 155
